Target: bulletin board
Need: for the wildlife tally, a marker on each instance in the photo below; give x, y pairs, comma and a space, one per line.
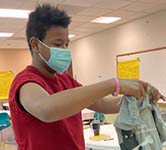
6, 78
151, 66
128, 69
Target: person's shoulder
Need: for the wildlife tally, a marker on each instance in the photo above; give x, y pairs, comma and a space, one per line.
28, 74
24, 73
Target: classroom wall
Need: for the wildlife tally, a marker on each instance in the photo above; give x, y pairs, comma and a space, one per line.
94, 56
14, 60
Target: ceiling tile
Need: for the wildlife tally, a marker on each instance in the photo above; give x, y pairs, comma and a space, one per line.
28, 6
82, 12
82, 18
13, 24
71, 10
14, 44
6, 29
153, 1
112, 4
15, 21
93, 25
2, 40
33, 3
20, 34
94, 12
1, 21
156, 8
127, 14
49, 1
83, 3
139, 7
130, 0
121, 13
74, 24
11, 3
88, 28
136, 16
82, 31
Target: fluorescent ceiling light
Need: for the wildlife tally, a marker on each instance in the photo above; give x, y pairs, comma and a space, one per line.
5, 34
71, 36
14, 13
106, 19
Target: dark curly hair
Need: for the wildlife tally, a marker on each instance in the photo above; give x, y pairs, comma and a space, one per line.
42, 19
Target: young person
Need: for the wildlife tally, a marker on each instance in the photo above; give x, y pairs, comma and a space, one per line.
45, 102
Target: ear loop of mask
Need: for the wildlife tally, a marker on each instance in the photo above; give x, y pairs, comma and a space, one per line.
40, 53
42, 57
65, 47
43, 44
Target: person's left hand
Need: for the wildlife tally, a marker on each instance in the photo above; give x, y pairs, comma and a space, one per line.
155, 95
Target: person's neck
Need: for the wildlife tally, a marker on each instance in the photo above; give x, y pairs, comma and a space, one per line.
43, 70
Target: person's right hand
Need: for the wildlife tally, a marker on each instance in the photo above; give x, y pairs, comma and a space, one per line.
136, 88
139, 88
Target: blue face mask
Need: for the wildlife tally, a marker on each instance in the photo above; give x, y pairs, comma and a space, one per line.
59, 60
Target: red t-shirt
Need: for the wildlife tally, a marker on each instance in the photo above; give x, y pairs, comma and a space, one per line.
33, 134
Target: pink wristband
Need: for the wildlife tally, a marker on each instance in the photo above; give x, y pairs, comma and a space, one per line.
117, 90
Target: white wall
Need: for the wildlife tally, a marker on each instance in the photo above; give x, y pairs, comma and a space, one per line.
14, 60
94, 56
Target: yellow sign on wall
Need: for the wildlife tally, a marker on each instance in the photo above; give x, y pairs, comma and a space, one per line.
5, 83
128, 69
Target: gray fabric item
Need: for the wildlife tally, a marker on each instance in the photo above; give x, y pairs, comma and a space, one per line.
143, 120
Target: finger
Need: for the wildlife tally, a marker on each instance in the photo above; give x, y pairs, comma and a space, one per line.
150, 97
155, 94
158, 98
142, 91
150, 91
145, 85
163, 97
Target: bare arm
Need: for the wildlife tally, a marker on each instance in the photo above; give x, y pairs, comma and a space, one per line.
60, 105
54, 107
107, 105
110, 104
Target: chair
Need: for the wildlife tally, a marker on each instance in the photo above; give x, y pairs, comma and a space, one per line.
5, 105
4, 123
99, 116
